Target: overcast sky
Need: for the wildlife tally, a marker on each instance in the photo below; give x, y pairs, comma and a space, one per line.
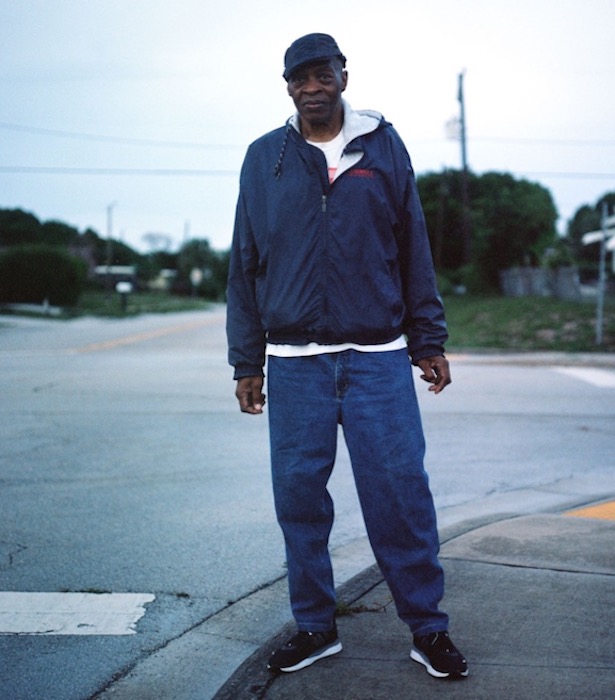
147, 106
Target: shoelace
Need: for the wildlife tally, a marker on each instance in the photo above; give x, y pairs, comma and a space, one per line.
442, 641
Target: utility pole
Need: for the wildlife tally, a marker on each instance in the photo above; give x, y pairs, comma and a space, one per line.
466, 229
606, 237
109, 245
462, 123
601, 275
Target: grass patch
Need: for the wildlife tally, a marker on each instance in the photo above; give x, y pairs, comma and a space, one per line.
475, 322
100, 303
527, 323
344, 609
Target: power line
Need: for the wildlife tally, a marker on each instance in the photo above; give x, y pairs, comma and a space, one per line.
166, 172
545, 142
600, 143
84, 136
571, 176
80, 136
203, 172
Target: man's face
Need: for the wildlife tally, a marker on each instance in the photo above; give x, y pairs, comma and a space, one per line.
316, 89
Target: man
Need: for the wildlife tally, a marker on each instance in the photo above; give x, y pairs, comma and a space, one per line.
331, 277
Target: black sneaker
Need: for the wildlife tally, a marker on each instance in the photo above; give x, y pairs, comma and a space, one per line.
439, 655
304, 649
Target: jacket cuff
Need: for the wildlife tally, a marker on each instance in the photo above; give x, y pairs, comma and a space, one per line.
248, 371
425, 352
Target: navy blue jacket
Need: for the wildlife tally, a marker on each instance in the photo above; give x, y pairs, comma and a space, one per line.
330, 263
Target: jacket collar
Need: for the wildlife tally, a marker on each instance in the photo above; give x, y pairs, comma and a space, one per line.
356, 123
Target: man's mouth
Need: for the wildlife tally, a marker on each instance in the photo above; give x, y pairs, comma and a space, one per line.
313, 104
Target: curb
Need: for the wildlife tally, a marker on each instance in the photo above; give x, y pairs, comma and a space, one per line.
252, 680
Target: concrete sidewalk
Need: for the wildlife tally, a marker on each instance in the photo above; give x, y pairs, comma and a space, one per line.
532, 606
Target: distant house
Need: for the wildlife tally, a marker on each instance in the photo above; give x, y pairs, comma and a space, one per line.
117, 273
164, 280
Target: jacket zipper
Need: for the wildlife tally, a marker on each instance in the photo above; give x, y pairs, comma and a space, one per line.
325, 303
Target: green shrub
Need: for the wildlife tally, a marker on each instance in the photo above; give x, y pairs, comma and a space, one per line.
35, 273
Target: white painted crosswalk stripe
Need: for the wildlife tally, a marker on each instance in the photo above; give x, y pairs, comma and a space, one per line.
602, 378
71, 613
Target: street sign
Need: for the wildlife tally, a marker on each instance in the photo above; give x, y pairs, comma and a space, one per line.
196, 276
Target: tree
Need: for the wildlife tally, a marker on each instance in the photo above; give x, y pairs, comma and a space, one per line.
18, 227
122, 254
58, 233
151, 264
38, 273
441, 196
157, 241
198, 254
104, 251
588, 218
513, 222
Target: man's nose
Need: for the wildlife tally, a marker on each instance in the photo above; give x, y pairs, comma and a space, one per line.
312, 85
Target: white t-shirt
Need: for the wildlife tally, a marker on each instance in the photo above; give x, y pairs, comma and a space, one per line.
333, 151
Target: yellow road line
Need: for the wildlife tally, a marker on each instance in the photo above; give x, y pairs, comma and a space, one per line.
603, 511
146, 335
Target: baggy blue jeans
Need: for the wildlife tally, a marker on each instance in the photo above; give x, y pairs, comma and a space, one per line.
372, 396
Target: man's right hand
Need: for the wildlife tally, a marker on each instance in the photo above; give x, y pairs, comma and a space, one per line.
249, 393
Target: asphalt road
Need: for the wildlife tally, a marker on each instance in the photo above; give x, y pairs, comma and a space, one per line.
126, 467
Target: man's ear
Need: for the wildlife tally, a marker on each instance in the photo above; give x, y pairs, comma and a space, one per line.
344, 79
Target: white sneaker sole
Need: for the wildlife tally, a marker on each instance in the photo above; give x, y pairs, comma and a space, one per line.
334, 648
416, 655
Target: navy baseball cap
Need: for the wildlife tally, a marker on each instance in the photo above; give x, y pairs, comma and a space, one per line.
308, 49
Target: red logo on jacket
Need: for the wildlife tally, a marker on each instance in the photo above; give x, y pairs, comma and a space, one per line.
361, 172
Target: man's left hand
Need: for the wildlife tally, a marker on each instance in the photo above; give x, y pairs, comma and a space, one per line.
436, 371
